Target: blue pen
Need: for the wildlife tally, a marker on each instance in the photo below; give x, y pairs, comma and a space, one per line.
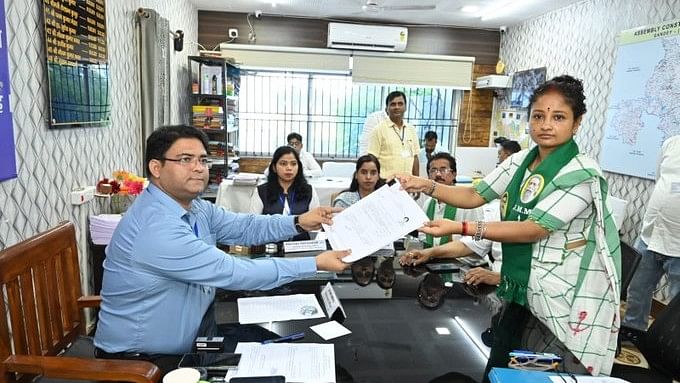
296, 336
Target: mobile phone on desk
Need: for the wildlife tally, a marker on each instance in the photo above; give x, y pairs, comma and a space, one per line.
259, 379
210, 361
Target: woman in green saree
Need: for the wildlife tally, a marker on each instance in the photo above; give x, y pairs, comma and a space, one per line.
561, 258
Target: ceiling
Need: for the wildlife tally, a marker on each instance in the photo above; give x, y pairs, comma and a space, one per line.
490, 14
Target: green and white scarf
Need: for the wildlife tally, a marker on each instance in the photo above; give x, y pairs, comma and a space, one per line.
521, 197
594, 308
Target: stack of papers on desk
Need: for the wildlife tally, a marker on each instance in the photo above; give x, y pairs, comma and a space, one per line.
102, 227
298, 362
247, 179
374, 222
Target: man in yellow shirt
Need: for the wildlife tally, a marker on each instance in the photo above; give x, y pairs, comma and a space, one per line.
395, 142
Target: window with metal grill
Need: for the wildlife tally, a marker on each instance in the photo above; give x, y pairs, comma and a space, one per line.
329, 110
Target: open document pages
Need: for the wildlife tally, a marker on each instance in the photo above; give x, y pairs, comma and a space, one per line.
298, 362
382, 217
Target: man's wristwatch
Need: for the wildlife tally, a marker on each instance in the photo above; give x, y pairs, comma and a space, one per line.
298, 227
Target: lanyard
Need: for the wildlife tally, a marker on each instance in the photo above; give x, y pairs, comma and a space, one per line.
194, 227
282, 199
403, 131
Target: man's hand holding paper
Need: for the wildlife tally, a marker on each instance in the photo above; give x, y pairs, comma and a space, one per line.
332, 260
375, 221
313, 219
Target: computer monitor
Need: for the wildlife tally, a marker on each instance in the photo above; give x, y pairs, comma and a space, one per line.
523, 85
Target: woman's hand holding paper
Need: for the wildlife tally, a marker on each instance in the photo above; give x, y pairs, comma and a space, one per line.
413, 184
441, 227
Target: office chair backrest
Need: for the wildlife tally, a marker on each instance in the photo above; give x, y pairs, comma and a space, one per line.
661, 344
338, 169
630, 259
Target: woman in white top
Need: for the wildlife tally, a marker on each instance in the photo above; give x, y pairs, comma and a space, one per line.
365, 180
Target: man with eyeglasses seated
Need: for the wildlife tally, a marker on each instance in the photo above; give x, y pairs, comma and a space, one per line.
310, 167
162, 267
442, 169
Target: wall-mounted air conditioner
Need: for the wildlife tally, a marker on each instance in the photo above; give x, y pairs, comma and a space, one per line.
492, 82
367, 37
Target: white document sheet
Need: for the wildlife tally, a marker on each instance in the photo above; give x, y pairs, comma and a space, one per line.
298, 362
330, 330
382, 217
278, 308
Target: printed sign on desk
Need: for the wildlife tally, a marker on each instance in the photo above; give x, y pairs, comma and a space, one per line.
8, 168
334, 308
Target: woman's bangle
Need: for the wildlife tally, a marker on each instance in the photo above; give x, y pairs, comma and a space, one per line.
464, 231
432, 187
481, 230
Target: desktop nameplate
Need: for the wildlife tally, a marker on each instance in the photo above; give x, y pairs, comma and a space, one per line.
298, 246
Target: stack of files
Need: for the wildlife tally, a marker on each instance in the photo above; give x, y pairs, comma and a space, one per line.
102, 227
207, 116
215, 178
216, 148
247, 179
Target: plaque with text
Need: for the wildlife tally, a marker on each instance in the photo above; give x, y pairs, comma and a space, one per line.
77, 65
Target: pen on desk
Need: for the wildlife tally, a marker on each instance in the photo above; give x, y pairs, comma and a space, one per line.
296, 336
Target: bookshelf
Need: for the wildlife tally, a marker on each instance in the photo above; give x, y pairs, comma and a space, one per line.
215, 85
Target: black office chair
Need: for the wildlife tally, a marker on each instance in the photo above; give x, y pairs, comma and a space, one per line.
630, 259
660, 345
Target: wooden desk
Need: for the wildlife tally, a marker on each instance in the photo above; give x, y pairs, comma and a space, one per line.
394, 340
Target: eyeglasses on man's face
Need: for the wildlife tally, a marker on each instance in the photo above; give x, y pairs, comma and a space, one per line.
443, 171
294, 144
190, 161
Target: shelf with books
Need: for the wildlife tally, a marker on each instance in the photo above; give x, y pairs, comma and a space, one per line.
214, 110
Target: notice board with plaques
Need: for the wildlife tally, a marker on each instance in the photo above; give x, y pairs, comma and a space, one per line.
77, 65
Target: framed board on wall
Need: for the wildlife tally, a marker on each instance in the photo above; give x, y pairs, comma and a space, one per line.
77, 65
8, 168
523, 84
